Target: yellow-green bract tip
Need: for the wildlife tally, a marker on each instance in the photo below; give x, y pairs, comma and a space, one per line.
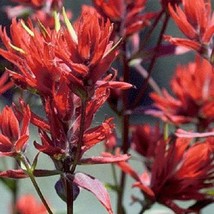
56, 21
17, 48
29, 31
69, 26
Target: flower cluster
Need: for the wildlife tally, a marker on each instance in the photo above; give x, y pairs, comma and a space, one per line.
179, 172
194, 101
67, 68
196, 22
126, 15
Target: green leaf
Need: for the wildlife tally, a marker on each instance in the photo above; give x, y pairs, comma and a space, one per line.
111, 187
33, 167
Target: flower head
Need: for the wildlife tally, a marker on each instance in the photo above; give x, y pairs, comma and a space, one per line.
181, 171
14, 131
33, 55
81, 54
87, 49
126, 15
193, 101
196, 22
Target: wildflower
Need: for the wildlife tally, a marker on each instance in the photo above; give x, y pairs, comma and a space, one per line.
33, 55
193, 101
196, 22
14, 131
180, 171
87, 50
81, 54
126, 15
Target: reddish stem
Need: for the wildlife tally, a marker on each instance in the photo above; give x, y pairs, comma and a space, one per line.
152, 63
125, 130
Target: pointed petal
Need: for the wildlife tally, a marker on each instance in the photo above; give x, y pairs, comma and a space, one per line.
20, 144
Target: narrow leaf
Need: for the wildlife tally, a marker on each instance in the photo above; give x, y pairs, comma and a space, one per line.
35, 161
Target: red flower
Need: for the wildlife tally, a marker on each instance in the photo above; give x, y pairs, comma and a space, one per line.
196, 23
126, 15
27, 204
193, 88
82, 55
181, 171
87, 49
14, 131
33, 54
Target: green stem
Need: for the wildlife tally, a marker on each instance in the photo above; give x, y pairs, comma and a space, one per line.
33, 180
114, 175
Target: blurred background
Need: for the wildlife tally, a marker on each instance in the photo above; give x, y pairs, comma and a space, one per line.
86, 201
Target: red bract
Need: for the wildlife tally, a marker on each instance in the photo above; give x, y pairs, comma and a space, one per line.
4, 83
27, 204
126, 15
82, 55
14, 132
33, 54
179, 172
196, 22
193, 89
86, 50
64, 117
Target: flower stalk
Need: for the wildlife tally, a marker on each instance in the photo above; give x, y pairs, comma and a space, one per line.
29, 172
